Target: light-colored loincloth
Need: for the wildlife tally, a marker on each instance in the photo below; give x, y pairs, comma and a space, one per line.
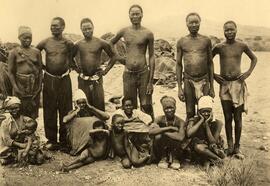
235, 91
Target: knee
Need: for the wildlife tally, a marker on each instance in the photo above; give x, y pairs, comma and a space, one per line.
158, 137
199, 148
126, 163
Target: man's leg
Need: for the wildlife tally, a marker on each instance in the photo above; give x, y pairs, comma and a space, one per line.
227, 107
160, 151
50, 108
203, 150
98, 95
85, 87
189, 99
130, 87
238, 127
64, 106
145, 100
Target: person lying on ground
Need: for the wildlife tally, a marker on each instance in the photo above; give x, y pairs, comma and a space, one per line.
79, 121
204, 130
168, 132
97, 150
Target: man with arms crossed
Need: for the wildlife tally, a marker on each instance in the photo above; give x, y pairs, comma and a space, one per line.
90, 77
233, 91
195, 50
138, 77
57, 93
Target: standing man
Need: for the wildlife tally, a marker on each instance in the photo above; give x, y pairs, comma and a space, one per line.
57, 93
138, 76
196, 52
90, 73
25, 73
233, 90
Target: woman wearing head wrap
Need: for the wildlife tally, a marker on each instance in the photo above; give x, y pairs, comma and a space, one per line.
169, 134
204, 130
25, 73
13, 123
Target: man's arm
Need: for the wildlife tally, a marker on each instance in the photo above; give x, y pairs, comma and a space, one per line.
210, 69
155, 130
193, 128
179, 70
71, 46
151, 63
213, 137
253, 63
12, 69
99, 113
179, 135
113, 41
110, 52
40, 75
28, 146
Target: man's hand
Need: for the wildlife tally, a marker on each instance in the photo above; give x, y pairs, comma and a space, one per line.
209, 119
244, 76
181, 94
201, 116
212, 92
172, 129
149, 89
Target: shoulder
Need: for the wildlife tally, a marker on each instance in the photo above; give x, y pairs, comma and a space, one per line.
123, 30
68, 41
79, 42
35, 50
147, 31
15, 50
101, 41
179, 120
160, 119
44, 41
218, 122
241, 44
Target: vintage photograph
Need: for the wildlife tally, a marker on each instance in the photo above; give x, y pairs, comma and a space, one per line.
134, 92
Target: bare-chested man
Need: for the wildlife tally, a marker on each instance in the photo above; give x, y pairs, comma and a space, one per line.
90, 77
233, 90
57, 94
195, 50
25, 73
138, 77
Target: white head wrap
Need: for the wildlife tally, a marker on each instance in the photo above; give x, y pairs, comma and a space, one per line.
10, 100
205, 102
79, 94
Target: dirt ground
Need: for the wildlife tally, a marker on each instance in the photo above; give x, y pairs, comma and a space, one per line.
255, 134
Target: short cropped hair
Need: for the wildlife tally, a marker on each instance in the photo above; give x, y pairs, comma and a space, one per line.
135, 6
98, 123
169, 97
193, 14
230, 22
115, 117
86, 20
61, 20
126, 99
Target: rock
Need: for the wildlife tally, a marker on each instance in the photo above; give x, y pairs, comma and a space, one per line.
263, 148
87, 177
163, 48
262, 122
264, 138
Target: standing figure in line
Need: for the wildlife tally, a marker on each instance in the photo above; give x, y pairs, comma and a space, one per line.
197, 66
138, 76
89, 66
25, 73
57, 92
233, 89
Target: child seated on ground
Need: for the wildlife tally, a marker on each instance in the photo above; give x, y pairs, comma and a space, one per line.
32, 153
96, 150
118, 136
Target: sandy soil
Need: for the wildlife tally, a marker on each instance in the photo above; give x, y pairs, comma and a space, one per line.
255, 133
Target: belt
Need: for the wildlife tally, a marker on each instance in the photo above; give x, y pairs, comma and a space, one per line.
196, 79
136, 71
90, 78
60, 77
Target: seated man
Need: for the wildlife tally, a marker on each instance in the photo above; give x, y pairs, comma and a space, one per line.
169, 132
96, 150
80, 120
205, 130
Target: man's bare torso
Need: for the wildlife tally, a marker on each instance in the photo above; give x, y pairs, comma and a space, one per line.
136, 42
195, 54
90, 54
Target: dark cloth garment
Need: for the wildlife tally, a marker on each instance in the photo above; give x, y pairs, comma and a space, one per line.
94, 92
57, 99
194, 88
5, 84
78, 133
135, 83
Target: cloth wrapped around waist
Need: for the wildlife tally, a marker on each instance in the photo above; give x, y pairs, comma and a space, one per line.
78, 133
197, 83
235, 91
29, 84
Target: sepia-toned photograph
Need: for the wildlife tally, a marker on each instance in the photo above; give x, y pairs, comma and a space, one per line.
134, 92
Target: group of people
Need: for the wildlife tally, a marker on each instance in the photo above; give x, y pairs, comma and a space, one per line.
135, 135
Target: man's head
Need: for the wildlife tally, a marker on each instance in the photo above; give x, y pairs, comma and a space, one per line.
193, 21
135, 14
98, 125
127, 106
25, 36
169, 106
30, 127
118, 122
230, 30
205, 106
80, 99
13, 105
57, 26
87, 27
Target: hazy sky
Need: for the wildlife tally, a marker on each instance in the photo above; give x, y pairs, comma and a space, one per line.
111, 15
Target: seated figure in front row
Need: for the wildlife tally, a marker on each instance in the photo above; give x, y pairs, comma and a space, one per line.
204, 131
